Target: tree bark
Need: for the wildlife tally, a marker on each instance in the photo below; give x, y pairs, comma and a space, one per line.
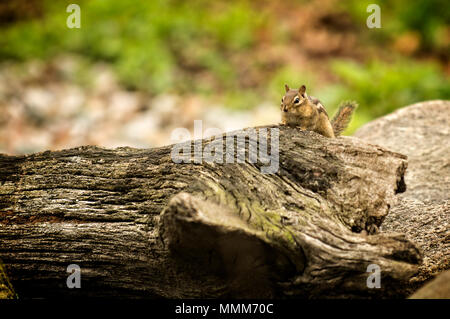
140, 225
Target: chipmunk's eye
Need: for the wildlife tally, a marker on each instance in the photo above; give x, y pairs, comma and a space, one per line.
297, 100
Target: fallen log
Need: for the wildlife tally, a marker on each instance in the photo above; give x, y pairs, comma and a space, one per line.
140, 225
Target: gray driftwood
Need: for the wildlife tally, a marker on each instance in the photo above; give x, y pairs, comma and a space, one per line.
140, 225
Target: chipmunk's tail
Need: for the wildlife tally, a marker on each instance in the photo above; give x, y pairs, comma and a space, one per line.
343, 116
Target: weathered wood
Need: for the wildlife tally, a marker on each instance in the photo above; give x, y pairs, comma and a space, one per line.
140, 225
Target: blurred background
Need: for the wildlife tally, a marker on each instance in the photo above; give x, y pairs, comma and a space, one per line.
136, 70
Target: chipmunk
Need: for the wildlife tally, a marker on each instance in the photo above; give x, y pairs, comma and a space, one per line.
308, 113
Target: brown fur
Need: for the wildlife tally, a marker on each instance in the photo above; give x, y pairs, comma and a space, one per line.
300, 110
343, 116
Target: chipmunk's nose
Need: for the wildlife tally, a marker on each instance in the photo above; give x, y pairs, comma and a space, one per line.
285, 109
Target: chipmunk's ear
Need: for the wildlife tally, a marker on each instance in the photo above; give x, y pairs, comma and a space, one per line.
302, 90
286, 87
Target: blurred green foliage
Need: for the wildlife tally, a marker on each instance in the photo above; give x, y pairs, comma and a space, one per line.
381, 87
189, 46
429, 18
150, 43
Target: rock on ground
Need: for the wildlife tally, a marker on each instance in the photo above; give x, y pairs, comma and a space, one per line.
422, 132
438, 288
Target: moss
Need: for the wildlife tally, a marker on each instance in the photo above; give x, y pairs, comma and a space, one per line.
6, 289
261, 219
